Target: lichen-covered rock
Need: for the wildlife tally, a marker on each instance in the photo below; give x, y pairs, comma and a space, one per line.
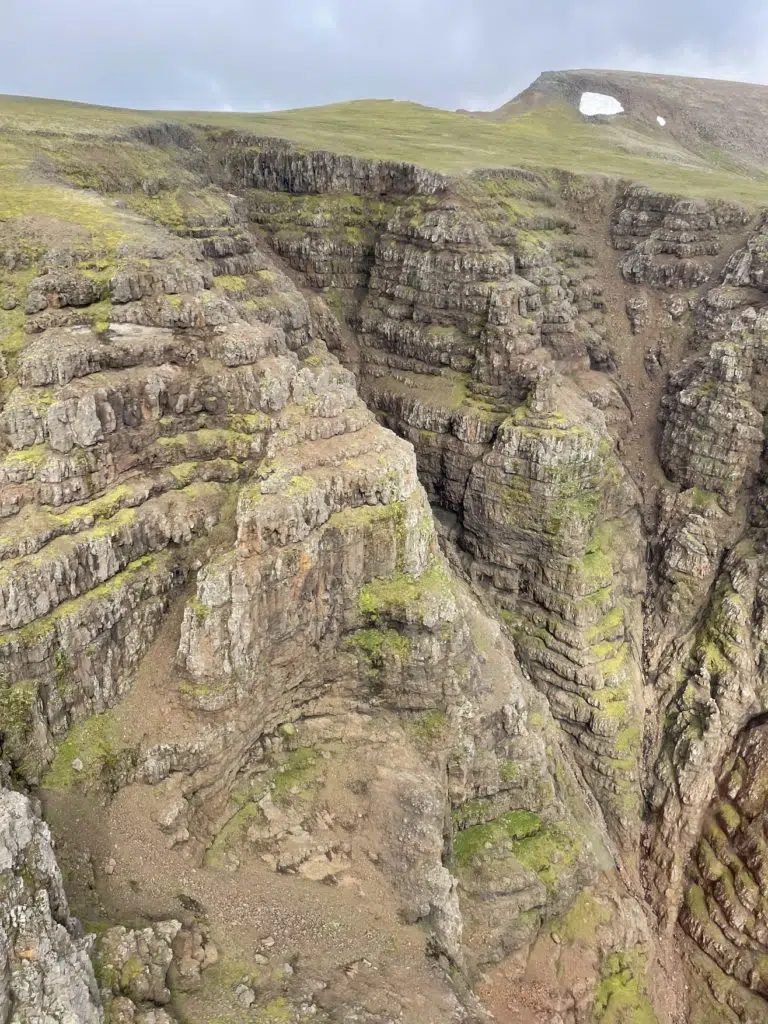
550, 522
45, 974
134, 963
723, 909
712, 434
142, 965
710, 687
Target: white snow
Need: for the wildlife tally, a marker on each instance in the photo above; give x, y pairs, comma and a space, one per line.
592, 103
662, 120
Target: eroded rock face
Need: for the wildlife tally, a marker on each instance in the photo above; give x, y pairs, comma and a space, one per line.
202, 437
45, 973
669, 240
463, 676
723, 909
457, 318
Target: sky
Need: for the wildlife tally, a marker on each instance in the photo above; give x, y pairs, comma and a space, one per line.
260, 55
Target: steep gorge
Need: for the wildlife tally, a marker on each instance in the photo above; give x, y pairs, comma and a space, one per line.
494, 674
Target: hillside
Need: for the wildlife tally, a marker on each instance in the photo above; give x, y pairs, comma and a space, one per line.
549, 134
717, 120
383, 560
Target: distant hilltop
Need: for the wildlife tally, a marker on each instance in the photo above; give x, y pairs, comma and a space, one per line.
696, 112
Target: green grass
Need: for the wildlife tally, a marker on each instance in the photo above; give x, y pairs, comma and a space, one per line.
553, 136
92, 741
582, 922
430, 726
297, 774
621, 996
515, 825
402, 593
231, 834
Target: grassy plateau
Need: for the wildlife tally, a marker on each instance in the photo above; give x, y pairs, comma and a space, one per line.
550, 136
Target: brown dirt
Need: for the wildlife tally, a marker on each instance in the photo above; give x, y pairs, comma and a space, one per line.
318, 929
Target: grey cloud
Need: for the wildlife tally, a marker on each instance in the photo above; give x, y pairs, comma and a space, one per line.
199, 54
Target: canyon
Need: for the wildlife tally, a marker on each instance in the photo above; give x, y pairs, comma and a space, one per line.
383, 574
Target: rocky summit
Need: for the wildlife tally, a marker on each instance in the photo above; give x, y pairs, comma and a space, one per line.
384, 562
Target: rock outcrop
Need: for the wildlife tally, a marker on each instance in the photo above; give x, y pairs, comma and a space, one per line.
45, 972
381, 590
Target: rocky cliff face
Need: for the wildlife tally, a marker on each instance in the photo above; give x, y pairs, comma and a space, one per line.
46, 972
381, 592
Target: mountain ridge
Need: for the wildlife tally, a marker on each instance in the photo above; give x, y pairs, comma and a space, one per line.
541, 128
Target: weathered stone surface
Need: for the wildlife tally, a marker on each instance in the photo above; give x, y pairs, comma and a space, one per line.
637, 312
135, 963
712, 432
282, 170
539, 710
668, 239
747, 267
46, 975
724, 910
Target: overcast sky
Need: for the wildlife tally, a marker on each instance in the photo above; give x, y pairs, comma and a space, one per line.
271, 54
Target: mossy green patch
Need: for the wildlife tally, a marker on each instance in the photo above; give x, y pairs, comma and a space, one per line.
608, 625
276, 1011
549, 852
230, 283
429, 727
621, 996
17, 715
28, 457
380, 648
130, 972
627, 742
515, 825
231, 834
199, 610
403, 593
703, 499
729, 815
473, 812
582, 922
297, 775
299, 485
510, 771
183, 210
92, 742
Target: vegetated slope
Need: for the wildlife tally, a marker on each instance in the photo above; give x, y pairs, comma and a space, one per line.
329, 719
551, 135
711, 118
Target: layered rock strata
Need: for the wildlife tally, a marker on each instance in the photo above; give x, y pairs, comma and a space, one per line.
206, 531
457, 307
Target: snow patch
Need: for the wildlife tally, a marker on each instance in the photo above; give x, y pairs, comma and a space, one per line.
593, 103
661, 120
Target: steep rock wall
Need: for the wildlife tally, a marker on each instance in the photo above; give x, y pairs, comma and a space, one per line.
199, 513
210, 548
488, 330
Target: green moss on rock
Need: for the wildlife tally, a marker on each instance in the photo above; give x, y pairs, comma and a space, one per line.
92, 742
403, 592
582, 922
621, 996
430, 726
515, 825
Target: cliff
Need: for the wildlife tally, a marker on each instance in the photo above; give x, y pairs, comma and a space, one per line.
381, 595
